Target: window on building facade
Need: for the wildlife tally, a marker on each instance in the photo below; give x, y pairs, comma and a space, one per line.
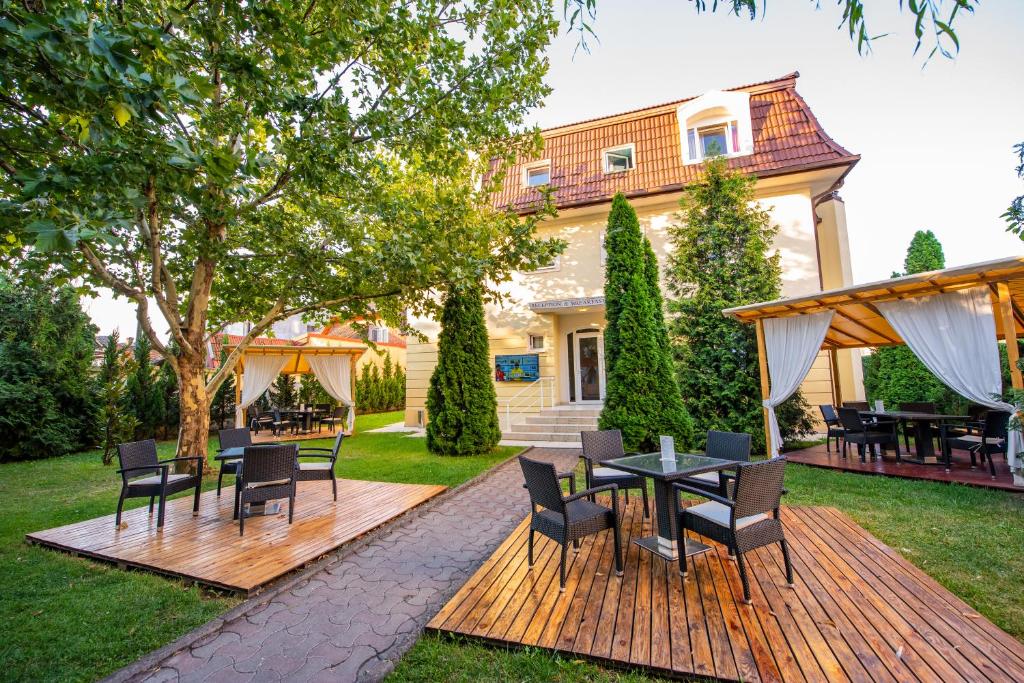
378, 335
620, 159
712, 141
537, 175
551, 265
716, 124
536, 342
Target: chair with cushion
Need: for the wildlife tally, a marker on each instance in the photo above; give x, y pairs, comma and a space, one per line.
567, 519
267, 473
832, 423
599, 447
866, 435
985, 442
725, 446
857, 405
144, 475
322, 469
231, 438
281, 423
337, 418
749, 520
257, 420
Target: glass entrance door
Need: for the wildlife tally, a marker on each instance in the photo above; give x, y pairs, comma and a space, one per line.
589, 367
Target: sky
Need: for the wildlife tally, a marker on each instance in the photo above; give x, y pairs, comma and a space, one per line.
936, 139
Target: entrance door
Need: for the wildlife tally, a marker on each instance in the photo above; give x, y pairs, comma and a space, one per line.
589, 368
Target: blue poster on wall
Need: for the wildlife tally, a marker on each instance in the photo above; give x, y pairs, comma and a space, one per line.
517, 368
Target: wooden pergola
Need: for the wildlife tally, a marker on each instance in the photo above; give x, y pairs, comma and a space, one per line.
857, 322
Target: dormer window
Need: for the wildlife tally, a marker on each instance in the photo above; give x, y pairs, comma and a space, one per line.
537, 174
716, 124
619, 159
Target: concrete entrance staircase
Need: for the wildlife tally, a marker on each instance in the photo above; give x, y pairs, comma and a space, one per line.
553, 427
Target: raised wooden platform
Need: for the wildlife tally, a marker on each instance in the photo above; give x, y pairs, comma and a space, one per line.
961, 472
858, 612
208, 548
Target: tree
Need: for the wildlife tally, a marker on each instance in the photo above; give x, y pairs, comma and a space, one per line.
721, 258
232, 161
223, 405
47, 403
284, 391
1015, 213
144, 397
893, 374
462, 405
642, 398
167, 387
117, 423
311, 392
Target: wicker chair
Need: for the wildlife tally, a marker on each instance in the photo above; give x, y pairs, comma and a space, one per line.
985, 442
567, 519
268, 473
321, 470
833, 424
231, 438
257, 420
726, 446
337, 418
747, 521
144, 475
857, 405
858, 432
599, 447
281, 423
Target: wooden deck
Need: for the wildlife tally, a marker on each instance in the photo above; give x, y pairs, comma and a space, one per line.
208, 549
961, 472
858, 612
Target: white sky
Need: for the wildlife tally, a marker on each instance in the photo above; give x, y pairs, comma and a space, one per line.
936, 142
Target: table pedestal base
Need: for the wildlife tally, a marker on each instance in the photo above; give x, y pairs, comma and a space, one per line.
262, 509
669, 550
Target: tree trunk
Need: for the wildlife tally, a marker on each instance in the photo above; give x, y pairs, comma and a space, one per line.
194, 404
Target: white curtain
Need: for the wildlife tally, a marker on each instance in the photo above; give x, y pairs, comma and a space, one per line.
954, 335
792, 345
260, 373
335, 375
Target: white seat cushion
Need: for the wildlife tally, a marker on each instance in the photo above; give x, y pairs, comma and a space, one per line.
974, 438
155, 480
607, 472
314, 465
719, 514
710, 477
261, 484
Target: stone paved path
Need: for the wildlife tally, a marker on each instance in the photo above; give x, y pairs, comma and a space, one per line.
354, 619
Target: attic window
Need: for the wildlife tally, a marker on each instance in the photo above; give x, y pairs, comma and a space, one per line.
716, 124
618, 159
537, 174
378, 335
717, 140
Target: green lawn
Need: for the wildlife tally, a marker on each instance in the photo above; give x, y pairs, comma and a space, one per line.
970, 540
64, 618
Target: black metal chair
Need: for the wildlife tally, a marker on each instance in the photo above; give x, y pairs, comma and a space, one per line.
726, 446
144, 475
337, 418
985, 442
256, 420
231, 438
833, 425
320, 470
747, 521
599, 447
281, 423
567, 519
866, 435
268, 473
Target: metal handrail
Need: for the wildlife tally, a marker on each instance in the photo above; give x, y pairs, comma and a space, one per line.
539, 382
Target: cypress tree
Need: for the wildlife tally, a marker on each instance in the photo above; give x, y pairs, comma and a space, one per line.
461, 403
117, 421
642, 398
143, 394
719, 260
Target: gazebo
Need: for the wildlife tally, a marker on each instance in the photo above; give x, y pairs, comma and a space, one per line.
333, 366
951, 319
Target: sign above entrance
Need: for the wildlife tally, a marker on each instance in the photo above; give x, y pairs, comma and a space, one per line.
561, 304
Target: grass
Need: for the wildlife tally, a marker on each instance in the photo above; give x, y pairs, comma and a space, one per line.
970, 540
71, 619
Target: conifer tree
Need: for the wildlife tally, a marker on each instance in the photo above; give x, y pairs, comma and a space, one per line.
223, 405
642, 398
720, 259
462, 405
143, 394
117, 422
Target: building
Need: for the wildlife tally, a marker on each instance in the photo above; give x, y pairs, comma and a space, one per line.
548, 338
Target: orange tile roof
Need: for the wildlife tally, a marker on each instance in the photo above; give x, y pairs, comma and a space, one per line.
787, 139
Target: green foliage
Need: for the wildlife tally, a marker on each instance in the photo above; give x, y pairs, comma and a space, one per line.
380, 388
461, 402
47, 404
311, 392
924, 254
1014, 214
642, 398
720, 260
222, 408
283, 391
167, 385
144, 396
117, 420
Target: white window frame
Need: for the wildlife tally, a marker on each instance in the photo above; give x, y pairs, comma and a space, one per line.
533, 166
555, 264
730, 110
619, 148
604, 252
532, 342
378, 334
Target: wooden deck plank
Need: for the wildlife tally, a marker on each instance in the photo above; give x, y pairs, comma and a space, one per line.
208, 549
858, 611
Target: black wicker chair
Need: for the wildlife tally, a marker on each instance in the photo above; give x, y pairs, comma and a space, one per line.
985, 442
323, 468
599, 447
268, 473
231, 438
257, 420
747, 521
866, 435
833, 424
144, 475
567, 519
857, 405
282, 423
337, 418
726, 446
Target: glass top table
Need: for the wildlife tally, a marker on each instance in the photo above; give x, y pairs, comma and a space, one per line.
665, 473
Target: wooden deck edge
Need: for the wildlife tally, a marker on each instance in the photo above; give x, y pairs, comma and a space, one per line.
285, 583
874, 473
